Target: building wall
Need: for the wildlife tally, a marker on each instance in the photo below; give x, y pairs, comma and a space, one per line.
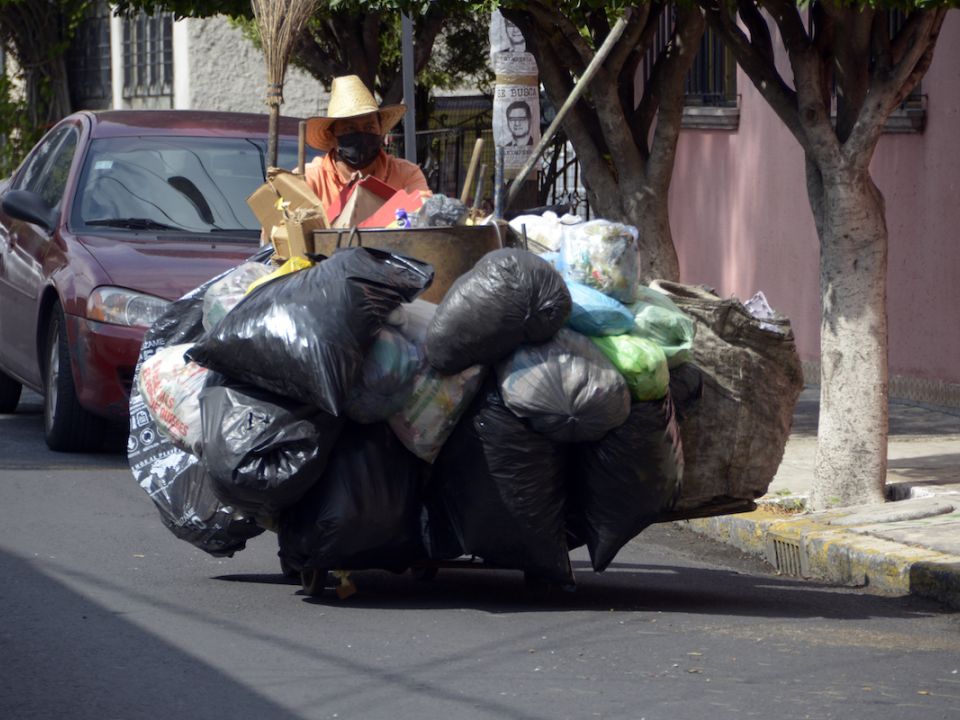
227, 72
742, 222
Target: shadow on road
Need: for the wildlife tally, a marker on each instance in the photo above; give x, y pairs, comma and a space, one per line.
623, 587
74, 659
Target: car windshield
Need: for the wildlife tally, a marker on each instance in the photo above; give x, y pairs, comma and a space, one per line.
197, 184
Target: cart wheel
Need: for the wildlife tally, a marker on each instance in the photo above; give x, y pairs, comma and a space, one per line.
313, 581
423, 574
288, 570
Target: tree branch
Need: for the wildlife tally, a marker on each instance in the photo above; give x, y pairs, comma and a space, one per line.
675, 61
758, 66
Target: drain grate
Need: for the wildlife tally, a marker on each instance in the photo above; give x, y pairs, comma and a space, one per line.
786, 555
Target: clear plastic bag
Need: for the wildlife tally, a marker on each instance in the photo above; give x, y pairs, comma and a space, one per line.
603, 255
226, 293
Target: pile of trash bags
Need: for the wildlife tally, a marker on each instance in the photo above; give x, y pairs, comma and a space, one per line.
534, 410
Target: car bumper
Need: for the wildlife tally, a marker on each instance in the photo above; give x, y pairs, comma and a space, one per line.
104, 359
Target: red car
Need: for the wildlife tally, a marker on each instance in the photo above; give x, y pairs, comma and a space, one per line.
112, 216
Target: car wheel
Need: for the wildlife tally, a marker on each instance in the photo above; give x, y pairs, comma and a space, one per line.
67, 426
9, 393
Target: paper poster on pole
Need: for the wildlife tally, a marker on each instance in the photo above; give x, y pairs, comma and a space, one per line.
516, 108
504, 36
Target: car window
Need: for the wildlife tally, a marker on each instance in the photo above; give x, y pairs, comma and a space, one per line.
53, 180
199, 184
31, 176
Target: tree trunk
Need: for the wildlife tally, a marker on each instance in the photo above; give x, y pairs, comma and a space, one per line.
851, 460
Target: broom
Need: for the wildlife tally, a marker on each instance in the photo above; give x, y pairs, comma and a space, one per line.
279, 23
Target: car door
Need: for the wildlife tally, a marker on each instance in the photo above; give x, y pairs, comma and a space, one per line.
25, 247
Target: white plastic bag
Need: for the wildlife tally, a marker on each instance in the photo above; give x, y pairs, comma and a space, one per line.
603, 255
544, 232
170, 387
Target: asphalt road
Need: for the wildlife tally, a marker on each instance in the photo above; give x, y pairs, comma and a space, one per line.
107, 616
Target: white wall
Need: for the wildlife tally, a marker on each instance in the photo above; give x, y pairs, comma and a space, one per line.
227, 72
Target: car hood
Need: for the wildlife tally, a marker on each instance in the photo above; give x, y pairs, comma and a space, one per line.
167, 266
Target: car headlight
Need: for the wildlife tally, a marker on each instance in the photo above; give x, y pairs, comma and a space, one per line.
124, 307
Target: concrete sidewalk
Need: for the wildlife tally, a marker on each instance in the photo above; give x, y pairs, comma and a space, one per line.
910, 545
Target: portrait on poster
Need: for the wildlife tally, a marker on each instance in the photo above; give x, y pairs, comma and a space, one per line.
504, 35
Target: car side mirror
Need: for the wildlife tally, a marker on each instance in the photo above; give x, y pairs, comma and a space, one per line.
29, 207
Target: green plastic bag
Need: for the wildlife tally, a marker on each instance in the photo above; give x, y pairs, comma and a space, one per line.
660, 320
642, 363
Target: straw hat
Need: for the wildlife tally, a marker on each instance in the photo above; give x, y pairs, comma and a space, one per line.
349, 98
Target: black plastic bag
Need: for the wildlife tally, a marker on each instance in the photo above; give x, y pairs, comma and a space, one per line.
564, 388
439, 211
305, 335
503, 488
626, 481
364, 512
262, 451
174, 479
509, 297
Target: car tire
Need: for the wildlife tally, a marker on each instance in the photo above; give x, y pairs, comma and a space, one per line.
67, 426
9, 393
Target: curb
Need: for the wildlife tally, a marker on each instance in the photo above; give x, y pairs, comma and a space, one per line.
804, 548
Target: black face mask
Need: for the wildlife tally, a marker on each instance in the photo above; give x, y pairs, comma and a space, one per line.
358, 149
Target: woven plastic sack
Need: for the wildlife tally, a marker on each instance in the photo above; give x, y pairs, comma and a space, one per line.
226, 293
603, 255
564, 388
170, 387
641, 362
733, 440
659, 319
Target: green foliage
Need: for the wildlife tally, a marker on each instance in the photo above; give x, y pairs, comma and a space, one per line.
17, 133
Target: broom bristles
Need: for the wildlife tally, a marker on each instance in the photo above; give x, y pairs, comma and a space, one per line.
279, 22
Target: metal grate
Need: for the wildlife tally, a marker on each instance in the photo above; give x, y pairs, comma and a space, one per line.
786, 555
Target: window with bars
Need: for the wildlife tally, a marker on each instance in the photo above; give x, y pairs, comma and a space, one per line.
712, 80
710, 88
88, 64
148, 60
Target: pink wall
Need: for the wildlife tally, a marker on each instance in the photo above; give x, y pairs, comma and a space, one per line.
741, 220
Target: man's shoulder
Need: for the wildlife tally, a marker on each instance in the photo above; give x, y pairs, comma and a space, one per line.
400, 163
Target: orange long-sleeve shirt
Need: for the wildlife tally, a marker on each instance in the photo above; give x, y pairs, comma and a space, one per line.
325, 179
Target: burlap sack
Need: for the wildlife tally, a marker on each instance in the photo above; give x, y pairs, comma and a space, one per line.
733, 441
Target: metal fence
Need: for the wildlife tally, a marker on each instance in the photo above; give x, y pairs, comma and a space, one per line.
444, 154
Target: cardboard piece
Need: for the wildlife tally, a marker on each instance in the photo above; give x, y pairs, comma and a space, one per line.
358, 201
286, 201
